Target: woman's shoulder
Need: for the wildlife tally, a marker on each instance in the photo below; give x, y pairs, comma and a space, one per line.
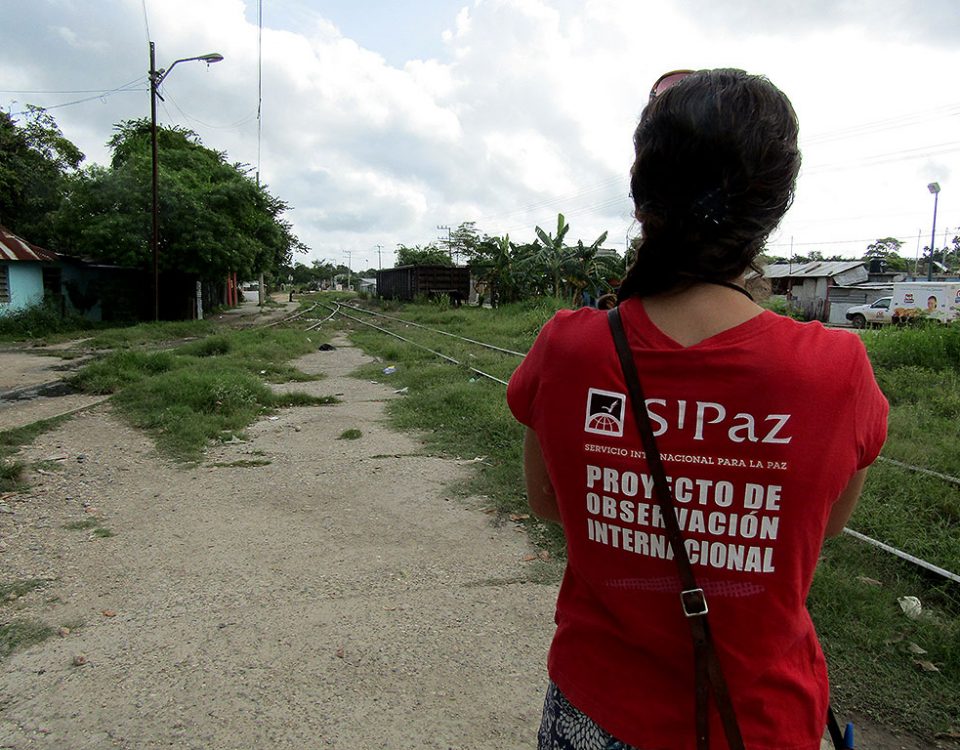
814, 346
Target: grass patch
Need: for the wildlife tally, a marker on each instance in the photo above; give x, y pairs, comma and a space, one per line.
243, 463
204, 390
86, 523
119, 369
151, 334
41, 322
869, 642
11, 475
351, 434
22, 634
12, 440
15, 589
103, 532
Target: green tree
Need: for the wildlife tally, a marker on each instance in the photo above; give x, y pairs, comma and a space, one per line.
552, 254
35, 163
886, 250
214, 218
464, 240
422, 255
586, 269
498, 266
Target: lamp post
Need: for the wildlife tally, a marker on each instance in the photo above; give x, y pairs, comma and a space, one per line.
156, 78
933, 187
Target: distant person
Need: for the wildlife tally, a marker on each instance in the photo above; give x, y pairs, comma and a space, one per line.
766, 427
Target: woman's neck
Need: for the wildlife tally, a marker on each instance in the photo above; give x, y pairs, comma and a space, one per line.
702, 310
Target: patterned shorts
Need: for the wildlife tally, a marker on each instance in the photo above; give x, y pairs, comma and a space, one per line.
564, 727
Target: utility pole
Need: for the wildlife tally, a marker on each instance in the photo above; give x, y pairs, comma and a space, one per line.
379, 257
449, 239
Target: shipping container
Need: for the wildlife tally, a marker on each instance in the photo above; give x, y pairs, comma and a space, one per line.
409, 282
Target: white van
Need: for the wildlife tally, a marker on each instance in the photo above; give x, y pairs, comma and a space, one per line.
911, 300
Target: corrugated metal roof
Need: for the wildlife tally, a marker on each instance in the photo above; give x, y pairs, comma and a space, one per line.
817, 269
13, 247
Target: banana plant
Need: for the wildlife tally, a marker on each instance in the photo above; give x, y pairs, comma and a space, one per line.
552, 254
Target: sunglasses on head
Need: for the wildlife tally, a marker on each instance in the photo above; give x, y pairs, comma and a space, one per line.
667, 80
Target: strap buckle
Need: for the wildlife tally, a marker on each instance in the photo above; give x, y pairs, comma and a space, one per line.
694, 603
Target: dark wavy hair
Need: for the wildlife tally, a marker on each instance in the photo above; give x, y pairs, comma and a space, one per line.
715, 170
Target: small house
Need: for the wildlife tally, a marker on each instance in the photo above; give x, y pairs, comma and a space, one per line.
807, 286
28, 273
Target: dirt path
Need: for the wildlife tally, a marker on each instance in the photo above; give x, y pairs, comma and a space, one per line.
339, 596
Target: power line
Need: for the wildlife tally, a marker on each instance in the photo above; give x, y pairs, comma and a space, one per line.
126, 88
146, 20
242, 121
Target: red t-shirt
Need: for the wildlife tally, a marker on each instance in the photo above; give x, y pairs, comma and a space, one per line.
760, 428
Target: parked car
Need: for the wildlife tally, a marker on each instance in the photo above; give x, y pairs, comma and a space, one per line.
876, 313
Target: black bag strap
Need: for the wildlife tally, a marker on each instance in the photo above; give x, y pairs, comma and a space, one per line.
707, 671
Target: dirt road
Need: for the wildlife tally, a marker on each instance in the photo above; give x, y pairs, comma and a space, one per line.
339, 596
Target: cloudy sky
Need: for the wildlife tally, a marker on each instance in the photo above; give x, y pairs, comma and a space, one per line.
383, 120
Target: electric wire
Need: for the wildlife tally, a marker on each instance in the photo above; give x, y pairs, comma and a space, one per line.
131, 87
146, 19
249, 117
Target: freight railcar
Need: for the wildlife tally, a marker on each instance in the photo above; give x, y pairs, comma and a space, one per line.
408, 282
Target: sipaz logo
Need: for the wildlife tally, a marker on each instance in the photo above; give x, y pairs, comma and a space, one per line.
604, 412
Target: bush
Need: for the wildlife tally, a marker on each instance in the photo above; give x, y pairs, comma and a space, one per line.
936, 347
38, 321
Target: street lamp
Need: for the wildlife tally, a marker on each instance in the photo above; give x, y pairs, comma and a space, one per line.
156, 78
933, 187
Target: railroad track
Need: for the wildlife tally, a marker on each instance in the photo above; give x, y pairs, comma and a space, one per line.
340, 309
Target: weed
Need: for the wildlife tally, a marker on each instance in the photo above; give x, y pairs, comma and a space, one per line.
242, 463
11, 475
21, 634
120, 369
47, 465
39, 322
151, 333
12, 440
201, 391
16, 589
103, 532
281, 400
212, 346
351, 434
86, 523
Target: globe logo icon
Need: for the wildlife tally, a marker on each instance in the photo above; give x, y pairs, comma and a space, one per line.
604, 423
604, 412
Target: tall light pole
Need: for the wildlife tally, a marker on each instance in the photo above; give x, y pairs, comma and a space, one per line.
380, 257
933, 187
156, 78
